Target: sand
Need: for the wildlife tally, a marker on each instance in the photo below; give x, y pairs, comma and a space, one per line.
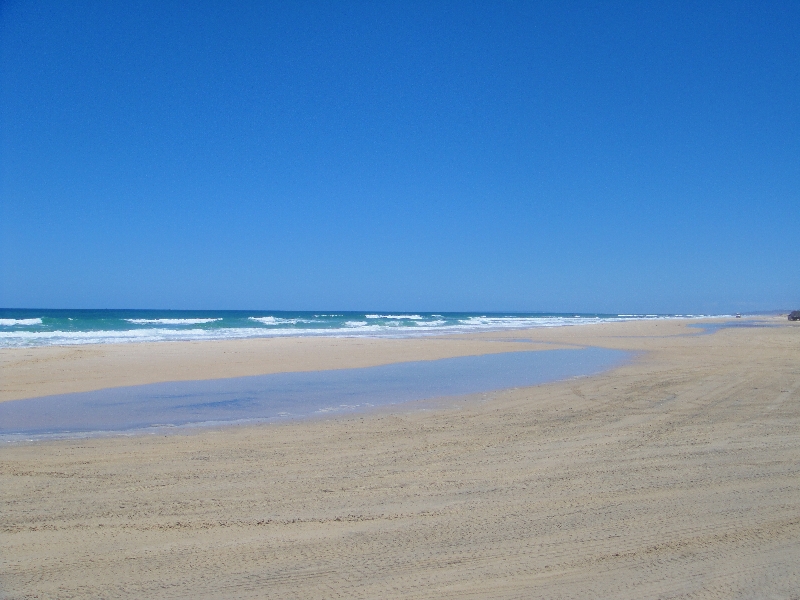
677, 475
31, 372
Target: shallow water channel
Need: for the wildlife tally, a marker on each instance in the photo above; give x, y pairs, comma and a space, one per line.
709, 328
282, 396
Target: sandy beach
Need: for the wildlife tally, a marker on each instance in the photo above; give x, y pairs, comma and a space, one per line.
676, 475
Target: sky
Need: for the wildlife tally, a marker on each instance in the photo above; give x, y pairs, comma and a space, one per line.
429, 156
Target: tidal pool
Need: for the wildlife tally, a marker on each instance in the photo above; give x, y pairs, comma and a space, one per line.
709, 328
290, 395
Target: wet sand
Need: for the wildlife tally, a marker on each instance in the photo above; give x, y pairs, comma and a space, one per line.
31, 372
677, 475
289, 396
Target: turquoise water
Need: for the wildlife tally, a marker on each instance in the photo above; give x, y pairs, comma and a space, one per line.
35, 327
281, 396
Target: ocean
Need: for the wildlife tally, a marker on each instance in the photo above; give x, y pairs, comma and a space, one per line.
47, 327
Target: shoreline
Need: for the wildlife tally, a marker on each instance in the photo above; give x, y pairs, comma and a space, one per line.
48, 370
43, 327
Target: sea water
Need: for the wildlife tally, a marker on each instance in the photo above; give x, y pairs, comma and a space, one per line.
34, 327
281, 396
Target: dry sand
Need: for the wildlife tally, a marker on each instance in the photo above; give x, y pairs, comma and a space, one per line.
677, 475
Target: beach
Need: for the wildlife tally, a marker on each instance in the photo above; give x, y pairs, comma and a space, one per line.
674, 475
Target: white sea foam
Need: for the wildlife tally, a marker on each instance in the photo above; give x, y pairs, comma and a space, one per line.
403, 317
489, 322
171, 321
279, 321
521, 322
12, 322
69, 338
265, 320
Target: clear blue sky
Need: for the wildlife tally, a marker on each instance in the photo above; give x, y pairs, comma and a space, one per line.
613, 157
